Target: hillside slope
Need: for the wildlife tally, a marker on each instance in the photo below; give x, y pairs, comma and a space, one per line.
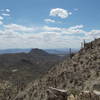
82, 72
26, 67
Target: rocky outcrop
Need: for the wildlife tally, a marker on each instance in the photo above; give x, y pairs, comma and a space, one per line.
88, 95
58, 94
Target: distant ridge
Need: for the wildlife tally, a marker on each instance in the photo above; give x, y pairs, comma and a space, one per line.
5, 51
51, 51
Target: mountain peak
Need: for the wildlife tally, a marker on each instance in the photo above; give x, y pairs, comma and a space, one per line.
37, 51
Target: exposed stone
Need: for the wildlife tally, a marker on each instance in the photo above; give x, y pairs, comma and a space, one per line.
56, 94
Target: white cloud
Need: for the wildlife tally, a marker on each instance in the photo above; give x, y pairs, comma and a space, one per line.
13, 35
1, 22
94, 33
74, 30
16, 27
62, 13
1, 18
71, 30
52, 21
76, 9
7, 10
5, 14
47, 28
49, 20
77, 26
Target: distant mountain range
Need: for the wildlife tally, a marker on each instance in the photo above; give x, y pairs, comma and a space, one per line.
3, 51
61, 50
52, 51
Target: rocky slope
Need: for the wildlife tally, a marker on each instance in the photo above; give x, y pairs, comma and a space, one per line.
81, 72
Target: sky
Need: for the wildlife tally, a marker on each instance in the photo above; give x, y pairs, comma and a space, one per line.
48, 23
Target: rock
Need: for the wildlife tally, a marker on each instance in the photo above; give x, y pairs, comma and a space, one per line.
56, 94
96, 87
71, 97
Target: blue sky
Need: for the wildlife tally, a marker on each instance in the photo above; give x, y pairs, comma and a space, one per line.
48, 23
